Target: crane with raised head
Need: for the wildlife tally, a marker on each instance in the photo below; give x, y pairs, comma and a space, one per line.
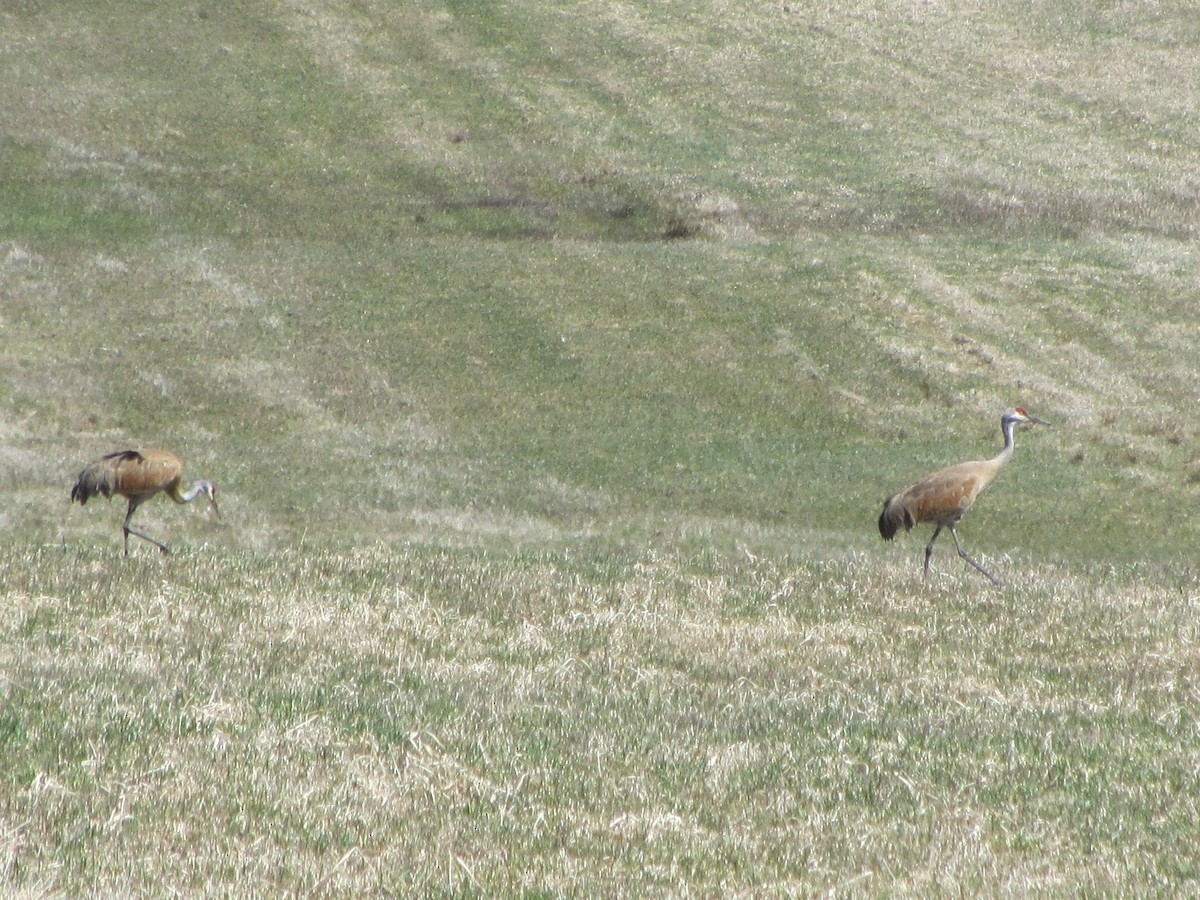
138, 475
948, 493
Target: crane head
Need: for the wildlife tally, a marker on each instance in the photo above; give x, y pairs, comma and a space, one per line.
210, 490
1018, 414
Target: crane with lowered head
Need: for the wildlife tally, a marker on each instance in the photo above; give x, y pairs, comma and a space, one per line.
138, 475
948, 493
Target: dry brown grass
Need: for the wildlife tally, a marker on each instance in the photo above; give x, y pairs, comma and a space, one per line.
421, 720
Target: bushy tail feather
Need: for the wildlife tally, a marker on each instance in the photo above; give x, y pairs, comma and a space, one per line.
92, 481
893, 517
98, 477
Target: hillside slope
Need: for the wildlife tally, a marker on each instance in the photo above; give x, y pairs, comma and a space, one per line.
605, 270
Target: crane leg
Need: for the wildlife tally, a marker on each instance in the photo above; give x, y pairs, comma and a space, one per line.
145, 537
929, 547
992, 578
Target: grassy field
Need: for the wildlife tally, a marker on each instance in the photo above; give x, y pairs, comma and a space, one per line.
553, 361
425, 720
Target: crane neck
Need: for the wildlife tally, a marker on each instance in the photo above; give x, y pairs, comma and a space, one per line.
197, 487
1006, 426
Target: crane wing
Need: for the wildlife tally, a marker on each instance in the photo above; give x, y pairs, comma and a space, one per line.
147, 472
946, 494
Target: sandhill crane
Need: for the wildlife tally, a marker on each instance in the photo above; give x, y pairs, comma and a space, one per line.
948, 493
139, 475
